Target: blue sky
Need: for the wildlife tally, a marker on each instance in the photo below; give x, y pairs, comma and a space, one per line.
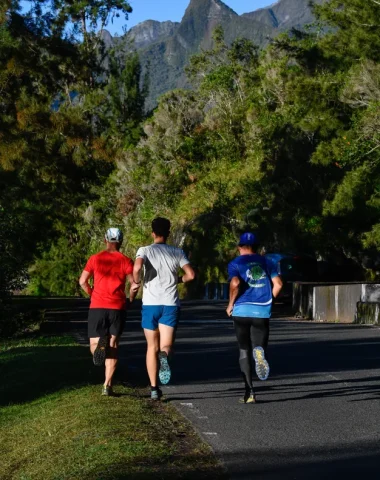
173, 10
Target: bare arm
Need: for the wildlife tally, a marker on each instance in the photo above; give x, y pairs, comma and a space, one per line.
189, 274
136, 278
277, 285
132, 293
234, 292
83, 282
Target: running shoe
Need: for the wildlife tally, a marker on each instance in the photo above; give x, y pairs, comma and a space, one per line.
261, 365
249, 397
100, 352
155, 394
164, 373
107, 391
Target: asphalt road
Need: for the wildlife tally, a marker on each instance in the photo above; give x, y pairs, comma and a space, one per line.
317, 415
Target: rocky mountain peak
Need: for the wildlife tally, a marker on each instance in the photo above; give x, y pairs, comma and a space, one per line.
165, 47
151, 31
200, 19
106, 37
210, 9
284, 14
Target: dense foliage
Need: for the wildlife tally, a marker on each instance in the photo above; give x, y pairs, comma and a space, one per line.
284, 141
57, 134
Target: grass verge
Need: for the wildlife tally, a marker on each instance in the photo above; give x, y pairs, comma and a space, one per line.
54, 424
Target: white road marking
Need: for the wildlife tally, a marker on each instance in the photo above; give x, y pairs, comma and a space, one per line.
195, 410
339, 380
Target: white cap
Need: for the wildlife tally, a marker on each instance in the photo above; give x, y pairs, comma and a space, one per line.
114, 235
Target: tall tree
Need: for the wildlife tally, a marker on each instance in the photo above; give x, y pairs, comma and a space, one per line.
52, 152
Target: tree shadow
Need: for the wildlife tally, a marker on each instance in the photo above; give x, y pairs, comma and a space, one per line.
28, 373
349, 461
204, 353
207, 354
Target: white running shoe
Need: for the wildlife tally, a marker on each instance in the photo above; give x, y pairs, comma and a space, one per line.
261, 365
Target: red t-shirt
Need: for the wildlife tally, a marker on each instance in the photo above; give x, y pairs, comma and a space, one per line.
110, 270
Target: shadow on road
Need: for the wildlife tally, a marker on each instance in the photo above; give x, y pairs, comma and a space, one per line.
350, 461
347, 461
208, 353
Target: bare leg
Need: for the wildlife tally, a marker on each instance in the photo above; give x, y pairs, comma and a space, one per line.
153, 343
111, 359
93, 344
167, 337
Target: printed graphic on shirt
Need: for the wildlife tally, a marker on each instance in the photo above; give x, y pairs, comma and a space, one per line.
254, 274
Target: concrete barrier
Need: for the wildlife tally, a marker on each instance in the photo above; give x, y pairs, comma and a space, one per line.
336, 302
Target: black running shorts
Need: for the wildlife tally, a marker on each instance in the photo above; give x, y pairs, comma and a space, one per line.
105, 321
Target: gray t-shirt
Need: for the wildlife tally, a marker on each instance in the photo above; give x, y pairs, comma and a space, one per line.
161, 264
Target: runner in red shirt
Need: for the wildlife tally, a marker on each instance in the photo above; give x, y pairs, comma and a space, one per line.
106, 318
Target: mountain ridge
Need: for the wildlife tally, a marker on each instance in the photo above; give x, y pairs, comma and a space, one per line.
165, 47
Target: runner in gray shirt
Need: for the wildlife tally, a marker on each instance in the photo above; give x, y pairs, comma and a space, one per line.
161, 306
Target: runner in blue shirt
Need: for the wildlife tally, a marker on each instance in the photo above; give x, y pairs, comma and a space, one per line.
254, 281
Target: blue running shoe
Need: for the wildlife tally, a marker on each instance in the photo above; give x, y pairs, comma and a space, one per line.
155, 395
261, 365
164, 374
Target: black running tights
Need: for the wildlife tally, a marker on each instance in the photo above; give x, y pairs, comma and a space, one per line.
250, 333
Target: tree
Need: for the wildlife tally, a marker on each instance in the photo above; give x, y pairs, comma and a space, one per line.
355, 29
266, 142
52, 151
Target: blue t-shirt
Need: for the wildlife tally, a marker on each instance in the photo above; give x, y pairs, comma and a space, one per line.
255, 296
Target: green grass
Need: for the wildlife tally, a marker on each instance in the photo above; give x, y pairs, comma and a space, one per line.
54, 424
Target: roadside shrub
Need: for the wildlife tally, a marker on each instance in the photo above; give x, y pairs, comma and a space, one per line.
15, 319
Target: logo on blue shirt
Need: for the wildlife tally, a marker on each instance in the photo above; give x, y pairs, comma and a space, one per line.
254, 274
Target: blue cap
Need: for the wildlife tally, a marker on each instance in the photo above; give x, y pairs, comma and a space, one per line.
247, 238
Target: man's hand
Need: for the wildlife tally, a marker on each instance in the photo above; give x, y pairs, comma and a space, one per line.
135, 287
133, 291
229, 310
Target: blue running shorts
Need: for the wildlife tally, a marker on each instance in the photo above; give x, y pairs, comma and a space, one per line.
152, 315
